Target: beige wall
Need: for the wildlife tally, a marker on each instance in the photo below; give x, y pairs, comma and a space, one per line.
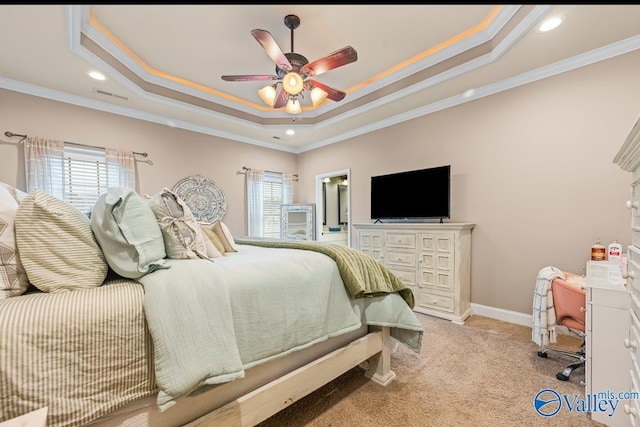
531, 167
175, 153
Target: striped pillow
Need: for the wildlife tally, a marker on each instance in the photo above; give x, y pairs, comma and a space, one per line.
13, 279
57, 247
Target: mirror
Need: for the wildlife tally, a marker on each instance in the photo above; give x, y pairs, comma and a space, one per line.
343, 212
297, 222
332, 200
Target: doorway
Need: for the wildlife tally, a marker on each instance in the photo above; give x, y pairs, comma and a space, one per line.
333, 204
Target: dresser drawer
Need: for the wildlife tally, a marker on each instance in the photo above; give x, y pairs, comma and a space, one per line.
436, 260
400, 258
633, 341
408, 277
437, 279
401, 240
436, 302
633, 268
371, 240
631, 407
436, 242
635, 204
375, 253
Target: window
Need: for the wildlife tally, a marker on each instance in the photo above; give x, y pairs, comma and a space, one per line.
272, 199
85, 177
79, 176
266, 191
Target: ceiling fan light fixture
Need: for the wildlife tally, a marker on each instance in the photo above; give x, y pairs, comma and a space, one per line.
293, 106
268, 95
317, 96
293, 83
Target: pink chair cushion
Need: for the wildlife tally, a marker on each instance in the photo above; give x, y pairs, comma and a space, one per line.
569, 302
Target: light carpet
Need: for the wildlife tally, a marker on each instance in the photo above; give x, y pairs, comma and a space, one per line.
483, 373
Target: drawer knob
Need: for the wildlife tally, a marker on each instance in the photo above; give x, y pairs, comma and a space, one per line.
633, 205
629, 344
583, 310
629, 274
629, 410
435, 302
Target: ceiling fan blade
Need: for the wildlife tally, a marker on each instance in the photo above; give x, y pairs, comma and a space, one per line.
332, 94
249, 78
341, 57
282, 99
273, 50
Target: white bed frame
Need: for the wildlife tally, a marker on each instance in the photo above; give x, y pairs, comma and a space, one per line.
252, 405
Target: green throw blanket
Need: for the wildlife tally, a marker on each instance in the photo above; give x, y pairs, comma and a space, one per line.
362, 275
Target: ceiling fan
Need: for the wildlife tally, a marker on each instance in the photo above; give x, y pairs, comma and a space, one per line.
293, 71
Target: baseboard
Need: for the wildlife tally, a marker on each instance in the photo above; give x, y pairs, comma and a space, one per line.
509, 316
502, 314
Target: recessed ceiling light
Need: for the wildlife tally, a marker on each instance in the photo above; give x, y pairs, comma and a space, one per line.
290, 132
97, 75
550, 23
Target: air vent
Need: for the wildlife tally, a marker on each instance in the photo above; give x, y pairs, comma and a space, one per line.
112, 95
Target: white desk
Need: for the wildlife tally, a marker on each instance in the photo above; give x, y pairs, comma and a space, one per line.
607, 359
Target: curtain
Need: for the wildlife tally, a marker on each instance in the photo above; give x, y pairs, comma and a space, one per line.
121, 168
255, 197
44, 165
287, 188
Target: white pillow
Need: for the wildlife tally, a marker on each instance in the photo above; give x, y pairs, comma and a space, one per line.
128, 233
222, 231
13, 278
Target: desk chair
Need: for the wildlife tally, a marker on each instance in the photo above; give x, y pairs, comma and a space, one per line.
569, 302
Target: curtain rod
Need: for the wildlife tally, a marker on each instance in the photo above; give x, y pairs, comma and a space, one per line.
246, 169
11, 134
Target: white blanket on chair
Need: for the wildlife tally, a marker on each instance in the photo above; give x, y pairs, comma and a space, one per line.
543, 331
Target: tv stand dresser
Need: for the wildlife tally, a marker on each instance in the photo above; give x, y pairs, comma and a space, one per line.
434, 260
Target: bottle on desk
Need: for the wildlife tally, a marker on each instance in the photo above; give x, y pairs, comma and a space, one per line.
614, 254
598, 252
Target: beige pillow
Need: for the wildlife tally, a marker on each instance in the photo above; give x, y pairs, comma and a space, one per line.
183, 237
57, 248
128, 233
13, 278
222, 231
214, 240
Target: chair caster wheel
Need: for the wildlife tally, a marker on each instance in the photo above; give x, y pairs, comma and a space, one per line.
562, 377
542, 354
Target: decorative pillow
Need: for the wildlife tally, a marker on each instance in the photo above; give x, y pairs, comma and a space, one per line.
128, 233
214, 240
183, 237
222, 231
13, 278
57, 248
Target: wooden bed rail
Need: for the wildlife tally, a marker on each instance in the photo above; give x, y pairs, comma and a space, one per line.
258, 405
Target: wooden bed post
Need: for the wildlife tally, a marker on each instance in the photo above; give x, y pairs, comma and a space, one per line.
380, 363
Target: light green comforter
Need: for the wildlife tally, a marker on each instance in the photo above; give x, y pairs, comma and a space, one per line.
362, 275
211, 320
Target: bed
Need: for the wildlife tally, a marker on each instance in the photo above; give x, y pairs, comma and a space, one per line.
228, 340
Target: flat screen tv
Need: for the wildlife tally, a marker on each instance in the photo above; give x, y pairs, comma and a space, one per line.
412, 195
